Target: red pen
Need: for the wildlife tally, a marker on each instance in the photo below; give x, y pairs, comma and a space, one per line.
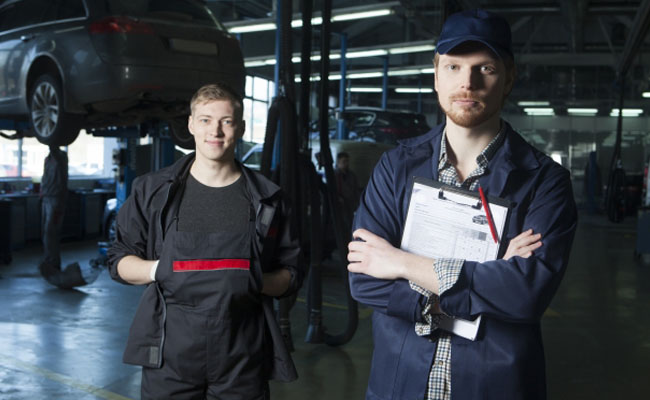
488, 214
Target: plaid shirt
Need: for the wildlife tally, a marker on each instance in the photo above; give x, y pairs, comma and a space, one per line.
448, 270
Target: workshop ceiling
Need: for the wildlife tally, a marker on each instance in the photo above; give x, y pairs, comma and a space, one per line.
568, 53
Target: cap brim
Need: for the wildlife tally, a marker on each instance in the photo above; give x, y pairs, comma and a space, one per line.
448, 45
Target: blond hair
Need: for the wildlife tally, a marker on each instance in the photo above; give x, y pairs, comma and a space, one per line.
218, 91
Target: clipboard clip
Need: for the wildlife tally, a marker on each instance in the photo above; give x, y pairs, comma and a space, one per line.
477, 206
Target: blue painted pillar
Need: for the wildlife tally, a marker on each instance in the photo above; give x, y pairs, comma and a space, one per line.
126, 169
420, 96
384, 95
341, 131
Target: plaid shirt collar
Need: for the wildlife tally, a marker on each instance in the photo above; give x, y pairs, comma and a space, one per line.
481, 160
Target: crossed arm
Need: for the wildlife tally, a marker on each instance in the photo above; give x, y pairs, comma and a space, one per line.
372, 255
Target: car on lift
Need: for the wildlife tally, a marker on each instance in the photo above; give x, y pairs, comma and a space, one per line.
371, 124
72, 64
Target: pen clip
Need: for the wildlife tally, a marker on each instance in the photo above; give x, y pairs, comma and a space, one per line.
475, 206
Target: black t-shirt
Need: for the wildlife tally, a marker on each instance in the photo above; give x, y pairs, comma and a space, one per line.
214, 209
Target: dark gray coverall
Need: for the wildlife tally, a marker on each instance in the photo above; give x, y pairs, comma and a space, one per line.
204, 315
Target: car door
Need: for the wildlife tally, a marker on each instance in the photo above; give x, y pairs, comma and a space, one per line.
19, 20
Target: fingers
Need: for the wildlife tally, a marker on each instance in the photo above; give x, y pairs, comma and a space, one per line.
524, 244
366, 236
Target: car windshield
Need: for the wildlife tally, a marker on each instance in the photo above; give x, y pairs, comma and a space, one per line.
178, 10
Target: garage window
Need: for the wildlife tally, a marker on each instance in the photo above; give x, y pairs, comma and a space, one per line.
259, 93
88, 156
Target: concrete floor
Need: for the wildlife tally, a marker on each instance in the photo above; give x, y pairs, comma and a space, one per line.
58, 344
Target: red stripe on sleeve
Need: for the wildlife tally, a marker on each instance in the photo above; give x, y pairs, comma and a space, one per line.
211, 265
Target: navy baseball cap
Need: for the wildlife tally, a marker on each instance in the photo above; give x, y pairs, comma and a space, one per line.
476, 26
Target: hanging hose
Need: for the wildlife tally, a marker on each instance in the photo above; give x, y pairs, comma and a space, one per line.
615, 196
282, 117
341, 232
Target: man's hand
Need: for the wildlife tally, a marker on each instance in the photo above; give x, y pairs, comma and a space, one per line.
523, 245
373, 255
276, 283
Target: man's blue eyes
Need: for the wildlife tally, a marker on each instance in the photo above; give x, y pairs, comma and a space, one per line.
485, 68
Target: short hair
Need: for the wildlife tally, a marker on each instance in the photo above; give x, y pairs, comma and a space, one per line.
342, 154
218, 91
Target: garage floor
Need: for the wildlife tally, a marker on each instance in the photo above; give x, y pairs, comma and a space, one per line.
58, 344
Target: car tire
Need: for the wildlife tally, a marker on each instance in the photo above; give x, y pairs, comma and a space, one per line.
180, 133
51, 124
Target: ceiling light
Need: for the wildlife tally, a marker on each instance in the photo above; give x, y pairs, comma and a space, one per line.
645, 95
343, 14
401, 72
539, 111
533, 103
582, 111
362, 14
366, 89
253, 28
627, 112
366, 53
256, 63
361, 75
431, 70
297, 23
412, 49
413, 90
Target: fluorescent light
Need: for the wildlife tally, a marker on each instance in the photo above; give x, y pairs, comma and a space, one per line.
533, 103
413, 90
366, 89
366, 53
402, 72
431, 70
412, 49
257, 63
361, 75
539, 111
253, 28
627, 112
582, 111
297, 23
362, 14
344, 14
645, 95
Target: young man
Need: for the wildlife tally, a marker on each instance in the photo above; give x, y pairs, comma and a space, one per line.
211, 240
413, 359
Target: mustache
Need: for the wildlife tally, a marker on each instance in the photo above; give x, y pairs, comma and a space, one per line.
465, 97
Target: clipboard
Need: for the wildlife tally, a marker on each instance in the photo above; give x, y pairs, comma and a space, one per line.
445, 221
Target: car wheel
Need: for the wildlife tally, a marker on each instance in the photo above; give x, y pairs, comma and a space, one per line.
52, 125
180, 134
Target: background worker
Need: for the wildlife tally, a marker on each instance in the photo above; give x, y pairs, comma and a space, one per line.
54, 192
413, 358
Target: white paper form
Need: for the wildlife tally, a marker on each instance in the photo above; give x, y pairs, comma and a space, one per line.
448, 222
